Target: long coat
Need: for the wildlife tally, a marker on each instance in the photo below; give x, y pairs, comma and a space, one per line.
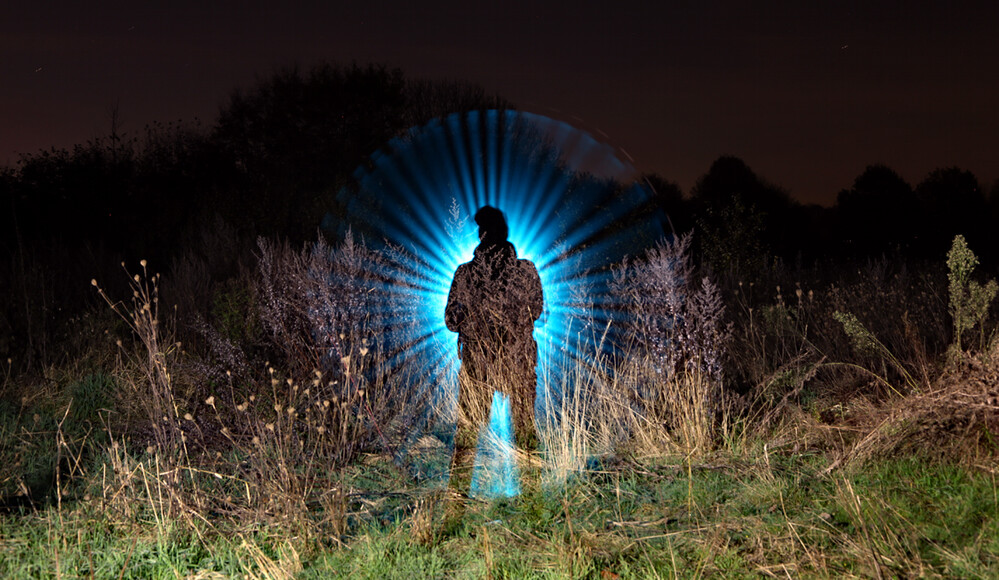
492, 305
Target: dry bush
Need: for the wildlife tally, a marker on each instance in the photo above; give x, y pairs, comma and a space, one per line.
315, 304
263, 439
150, 380
667, 385
328, 392
957, 419
165, 480
337, 312
956, 415
647, 383
789, 349
217, 260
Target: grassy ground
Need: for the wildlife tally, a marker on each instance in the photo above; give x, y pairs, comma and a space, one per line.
755, 514
852, 448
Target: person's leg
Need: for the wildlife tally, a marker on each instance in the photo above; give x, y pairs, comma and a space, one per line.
525, 381
473, 411
522, 386
464, 436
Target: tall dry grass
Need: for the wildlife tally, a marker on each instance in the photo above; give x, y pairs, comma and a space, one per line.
652, 386
265, 435
261, 440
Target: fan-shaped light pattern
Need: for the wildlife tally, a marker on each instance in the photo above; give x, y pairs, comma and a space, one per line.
568, 202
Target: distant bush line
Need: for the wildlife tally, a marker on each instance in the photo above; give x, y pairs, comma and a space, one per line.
273, 160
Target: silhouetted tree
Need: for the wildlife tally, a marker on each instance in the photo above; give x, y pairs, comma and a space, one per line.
950, 203
432, 99
81, 195
271, 164
180, 174
295, 138
669, 200
812, 231
63, 208
741, 218
878, 213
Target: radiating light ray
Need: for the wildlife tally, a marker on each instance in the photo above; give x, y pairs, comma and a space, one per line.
570, 223
495, 473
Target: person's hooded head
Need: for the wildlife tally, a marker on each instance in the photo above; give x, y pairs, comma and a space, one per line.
492, 225
494, 251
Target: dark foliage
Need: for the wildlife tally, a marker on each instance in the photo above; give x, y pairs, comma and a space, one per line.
270, 164
280, 152
742, 220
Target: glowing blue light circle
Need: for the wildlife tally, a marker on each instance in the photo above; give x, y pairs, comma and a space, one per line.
418, 193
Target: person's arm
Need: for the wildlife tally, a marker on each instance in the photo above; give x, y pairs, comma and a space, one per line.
535, 293
455, 312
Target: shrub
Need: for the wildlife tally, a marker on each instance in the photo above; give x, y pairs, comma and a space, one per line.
676, 339
969, 300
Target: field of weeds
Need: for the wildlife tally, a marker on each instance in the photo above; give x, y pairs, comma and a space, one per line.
800, 424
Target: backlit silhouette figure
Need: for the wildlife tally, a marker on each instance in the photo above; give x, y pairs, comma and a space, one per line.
493, 303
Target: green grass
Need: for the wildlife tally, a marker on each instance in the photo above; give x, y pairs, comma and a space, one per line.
725, 518
31, 432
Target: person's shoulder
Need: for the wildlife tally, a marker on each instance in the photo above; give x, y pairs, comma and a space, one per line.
526, 266
463, 269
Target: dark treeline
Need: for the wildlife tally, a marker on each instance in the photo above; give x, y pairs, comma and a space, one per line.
273, 160
270, 164
746, 224
186, 193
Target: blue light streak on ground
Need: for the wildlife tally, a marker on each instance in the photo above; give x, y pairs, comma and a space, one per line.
495, 473
571, 224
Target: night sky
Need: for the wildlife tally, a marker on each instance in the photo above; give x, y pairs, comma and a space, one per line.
807, 92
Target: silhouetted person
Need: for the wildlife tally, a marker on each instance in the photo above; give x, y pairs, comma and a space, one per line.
493, 303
